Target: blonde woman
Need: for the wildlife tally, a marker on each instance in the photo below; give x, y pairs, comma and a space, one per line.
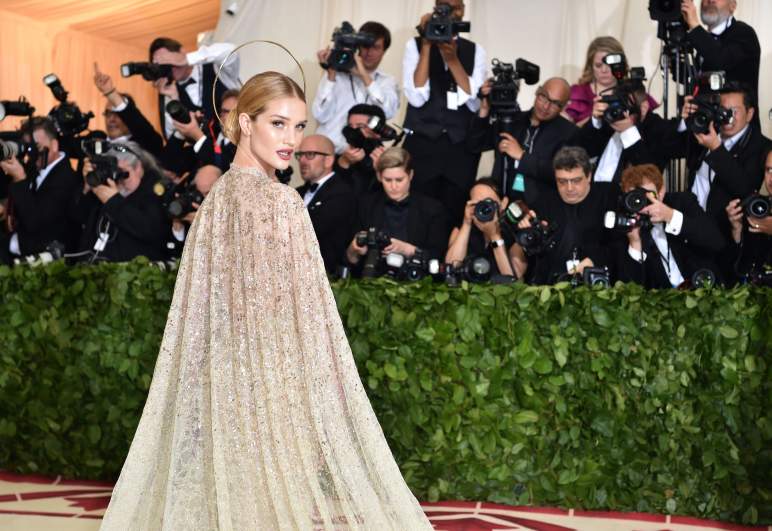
256, 417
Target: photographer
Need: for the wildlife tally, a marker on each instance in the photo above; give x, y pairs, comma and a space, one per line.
575, 213
203, 181
626, 132
195, 144
441, 78
39, 195
723, 165
328, 198
727, 44
485, 238
194, 75
123, 120
536, 135
597, 78
356, 165
409, 220
123, 218
751, 245
672, 237
363, 83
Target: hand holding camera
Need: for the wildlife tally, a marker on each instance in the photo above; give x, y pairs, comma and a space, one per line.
689, 12
510, 146
13, 168
657, 211
166, 88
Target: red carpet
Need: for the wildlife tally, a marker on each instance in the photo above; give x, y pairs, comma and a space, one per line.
31, 503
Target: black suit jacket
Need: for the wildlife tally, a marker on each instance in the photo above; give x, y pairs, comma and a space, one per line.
658, 141
578, 226
427, 221
42, 215
736, 51
142, 132
331, 211
138, 223
694, 248
738, 172
536, 164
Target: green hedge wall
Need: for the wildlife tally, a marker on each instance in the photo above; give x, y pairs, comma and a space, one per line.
615, 399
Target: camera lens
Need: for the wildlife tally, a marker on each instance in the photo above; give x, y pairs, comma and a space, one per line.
758, 207
485, 210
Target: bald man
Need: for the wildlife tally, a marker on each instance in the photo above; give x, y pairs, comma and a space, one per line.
328, 198
525, 147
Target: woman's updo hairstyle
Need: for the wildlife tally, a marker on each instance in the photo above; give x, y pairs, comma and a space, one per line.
255, 95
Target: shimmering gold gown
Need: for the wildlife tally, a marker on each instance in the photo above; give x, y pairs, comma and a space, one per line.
256, 418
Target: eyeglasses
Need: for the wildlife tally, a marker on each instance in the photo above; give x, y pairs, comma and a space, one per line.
310, 155
576, 181
543, 98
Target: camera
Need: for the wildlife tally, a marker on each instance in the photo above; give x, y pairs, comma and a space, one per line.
346, 42
182, 204
412, 269
105, 167
622, 99
757, 206
629, 214
708, 102
590, 276
12, 145
671, 27
15, 108
376, 241
178, 111
385, 131
506, 83
67, 116
665, 10
441, 27
709, 111
536, 239
148, 71
356, 138
486, 210
475, 269
54, 251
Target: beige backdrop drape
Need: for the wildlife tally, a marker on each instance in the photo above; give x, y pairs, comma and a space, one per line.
29, 50
551, 33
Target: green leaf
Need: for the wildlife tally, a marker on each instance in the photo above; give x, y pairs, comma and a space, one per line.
728, 332
525, 417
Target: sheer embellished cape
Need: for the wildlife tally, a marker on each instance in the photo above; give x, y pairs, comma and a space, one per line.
256, 417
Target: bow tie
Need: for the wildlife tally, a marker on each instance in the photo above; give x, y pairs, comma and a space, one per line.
313, 187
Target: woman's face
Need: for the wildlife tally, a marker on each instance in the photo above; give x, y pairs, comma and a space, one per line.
272, 137
601, 71
396, 182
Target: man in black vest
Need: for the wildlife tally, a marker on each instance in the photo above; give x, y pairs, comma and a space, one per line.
441, 82
194, 76
39, 202
727, 44
329, 200
536, 135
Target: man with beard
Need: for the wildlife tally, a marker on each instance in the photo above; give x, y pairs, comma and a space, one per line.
727, 44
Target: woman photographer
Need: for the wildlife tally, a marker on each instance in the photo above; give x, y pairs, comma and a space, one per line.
597, 80
485, 238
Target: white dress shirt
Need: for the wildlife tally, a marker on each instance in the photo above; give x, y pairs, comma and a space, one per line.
13, 245
229, 76
418, 96
658, 234
334, 99
609, 159
705, 175
309, 195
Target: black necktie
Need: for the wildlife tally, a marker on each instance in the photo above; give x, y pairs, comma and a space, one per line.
313, 187
183, 94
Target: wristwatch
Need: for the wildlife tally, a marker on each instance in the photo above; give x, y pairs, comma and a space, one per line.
497, 243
